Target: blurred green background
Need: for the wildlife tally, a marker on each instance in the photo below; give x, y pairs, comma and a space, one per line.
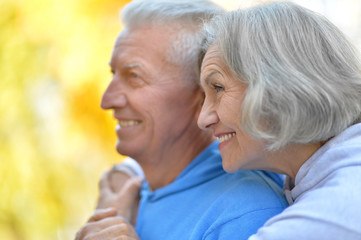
55, 141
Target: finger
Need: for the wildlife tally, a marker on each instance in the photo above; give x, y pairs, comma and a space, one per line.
116, 231
121, 172
111, 182
125, 238
117, 180
130, 191
104, 184
132, 185
127, 198
106, 196
100, 214
92, 228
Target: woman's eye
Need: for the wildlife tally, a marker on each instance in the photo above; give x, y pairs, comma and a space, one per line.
218, 88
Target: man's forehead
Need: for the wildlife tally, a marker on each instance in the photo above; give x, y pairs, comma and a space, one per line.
146, 29
122, 36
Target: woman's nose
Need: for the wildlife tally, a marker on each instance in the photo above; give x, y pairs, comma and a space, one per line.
207, 117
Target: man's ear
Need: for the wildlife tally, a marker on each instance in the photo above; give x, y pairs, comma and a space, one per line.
199, 100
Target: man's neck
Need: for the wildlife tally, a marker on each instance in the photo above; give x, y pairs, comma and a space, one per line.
163, 168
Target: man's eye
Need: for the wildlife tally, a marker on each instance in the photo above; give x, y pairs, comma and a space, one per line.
135, 80
133, 75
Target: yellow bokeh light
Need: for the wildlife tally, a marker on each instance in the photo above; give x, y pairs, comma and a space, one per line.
55, 139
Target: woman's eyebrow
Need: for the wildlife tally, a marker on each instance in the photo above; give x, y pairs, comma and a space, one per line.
209, 76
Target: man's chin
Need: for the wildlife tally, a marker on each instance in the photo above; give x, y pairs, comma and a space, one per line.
122, 149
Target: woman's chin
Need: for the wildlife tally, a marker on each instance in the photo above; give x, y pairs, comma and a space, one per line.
229, 167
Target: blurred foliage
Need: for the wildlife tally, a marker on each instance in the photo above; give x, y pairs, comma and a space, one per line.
55, 141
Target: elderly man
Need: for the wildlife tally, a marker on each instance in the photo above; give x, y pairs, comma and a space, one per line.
156, 99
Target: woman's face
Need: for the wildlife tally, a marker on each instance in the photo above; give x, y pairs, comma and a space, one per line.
221, 112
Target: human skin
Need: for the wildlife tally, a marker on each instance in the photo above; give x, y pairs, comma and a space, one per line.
157, 110
105, 224
120, 191
221, 112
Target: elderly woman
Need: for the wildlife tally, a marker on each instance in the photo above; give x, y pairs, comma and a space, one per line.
283, 93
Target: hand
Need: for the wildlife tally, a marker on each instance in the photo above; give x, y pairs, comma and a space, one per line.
125, 200
105, 224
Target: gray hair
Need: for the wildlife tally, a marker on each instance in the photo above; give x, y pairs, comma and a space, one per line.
303, 74
184, 17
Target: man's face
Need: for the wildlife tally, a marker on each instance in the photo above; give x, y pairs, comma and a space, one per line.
148, 94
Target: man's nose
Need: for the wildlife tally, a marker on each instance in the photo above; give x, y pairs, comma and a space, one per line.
114, 96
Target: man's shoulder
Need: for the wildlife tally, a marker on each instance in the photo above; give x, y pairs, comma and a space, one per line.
245, 201
252, 186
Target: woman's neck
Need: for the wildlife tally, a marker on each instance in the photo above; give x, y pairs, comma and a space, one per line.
290, 159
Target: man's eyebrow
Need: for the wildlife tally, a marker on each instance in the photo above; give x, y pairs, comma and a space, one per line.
131, 65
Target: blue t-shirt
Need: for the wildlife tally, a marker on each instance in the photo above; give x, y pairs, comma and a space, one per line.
205, 202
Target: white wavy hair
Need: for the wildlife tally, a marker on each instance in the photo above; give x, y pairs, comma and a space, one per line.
303, 74
183, 17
